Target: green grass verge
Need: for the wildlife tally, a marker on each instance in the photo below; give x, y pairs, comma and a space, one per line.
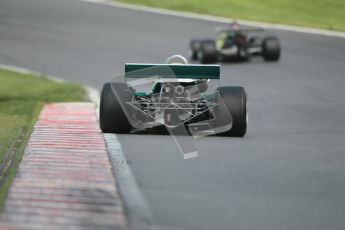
21, 99
326, 14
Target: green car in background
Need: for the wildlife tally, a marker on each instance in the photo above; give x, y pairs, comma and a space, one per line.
236, 44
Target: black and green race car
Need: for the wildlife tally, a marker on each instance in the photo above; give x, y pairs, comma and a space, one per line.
236, 44
175, 95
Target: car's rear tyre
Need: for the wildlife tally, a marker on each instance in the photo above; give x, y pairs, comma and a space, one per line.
112, 117
271, 49
208, 52
235, 100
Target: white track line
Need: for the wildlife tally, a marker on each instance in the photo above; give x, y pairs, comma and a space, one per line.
93, 95
138, 212
27, 71
140, 215
205, 17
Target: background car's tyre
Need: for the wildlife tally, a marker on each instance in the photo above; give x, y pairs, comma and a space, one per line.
235, 100
194, 55
112, 118
271, 49
208, 52
194, 47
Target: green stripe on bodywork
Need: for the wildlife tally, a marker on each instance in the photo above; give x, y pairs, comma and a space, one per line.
172, 71
140, 94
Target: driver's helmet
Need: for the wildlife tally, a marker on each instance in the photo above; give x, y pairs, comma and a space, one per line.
234, 25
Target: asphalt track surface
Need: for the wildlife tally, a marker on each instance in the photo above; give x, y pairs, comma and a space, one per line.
286, 173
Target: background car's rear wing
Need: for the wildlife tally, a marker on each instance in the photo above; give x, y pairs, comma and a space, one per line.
242, 30
138, 70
